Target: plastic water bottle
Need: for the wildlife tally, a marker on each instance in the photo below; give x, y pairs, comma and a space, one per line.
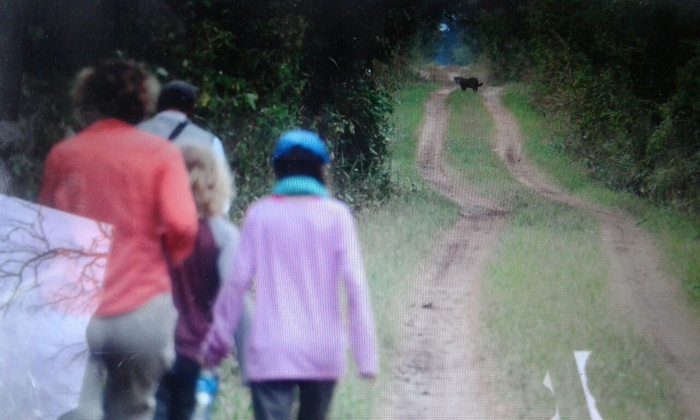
205, 395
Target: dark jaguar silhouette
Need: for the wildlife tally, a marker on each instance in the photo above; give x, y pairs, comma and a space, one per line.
472, 83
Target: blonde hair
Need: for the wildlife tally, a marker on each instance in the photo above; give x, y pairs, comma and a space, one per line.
210, 178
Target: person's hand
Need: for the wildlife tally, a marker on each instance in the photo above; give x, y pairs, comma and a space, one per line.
202, 360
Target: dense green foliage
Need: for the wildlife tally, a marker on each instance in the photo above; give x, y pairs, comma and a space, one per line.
263, 67
250, 79
622, 74
277, 64
677, 231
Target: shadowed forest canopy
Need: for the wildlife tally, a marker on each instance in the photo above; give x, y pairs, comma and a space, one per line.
620, 75
623, 78
262, 67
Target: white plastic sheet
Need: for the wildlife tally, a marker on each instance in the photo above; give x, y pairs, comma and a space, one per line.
581, 359
548, 384
52, 266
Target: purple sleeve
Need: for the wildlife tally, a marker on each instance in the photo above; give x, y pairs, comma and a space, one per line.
360, 314
176, 205
229, 302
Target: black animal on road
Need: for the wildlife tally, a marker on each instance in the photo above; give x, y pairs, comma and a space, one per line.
472, 83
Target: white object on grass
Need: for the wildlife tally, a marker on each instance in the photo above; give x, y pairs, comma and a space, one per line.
581, 359
548, 384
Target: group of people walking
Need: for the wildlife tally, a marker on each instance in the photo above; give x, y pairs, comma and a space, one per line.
178, 290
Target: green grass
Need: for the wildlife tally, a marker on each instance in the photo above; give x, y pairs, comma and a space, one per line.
677, 233
469, 149
467, 146
545, 290
233, 401
546, 298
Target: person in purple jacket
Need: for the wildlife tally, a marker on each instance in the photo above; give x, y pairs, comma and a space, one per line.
301, 248
197, 281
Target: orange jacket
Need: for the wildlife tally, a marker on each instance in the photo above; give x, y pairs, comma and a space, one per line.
137, 182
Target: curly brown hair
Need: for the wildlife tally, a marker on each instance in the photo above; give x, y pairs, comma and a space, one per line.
115, 88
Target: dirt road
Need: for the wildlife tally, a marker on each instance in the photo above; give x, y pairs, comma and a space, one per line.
439, 372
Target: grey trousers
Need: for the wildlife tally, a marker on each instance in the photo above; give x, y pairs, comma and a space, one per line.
273, 400
129, 354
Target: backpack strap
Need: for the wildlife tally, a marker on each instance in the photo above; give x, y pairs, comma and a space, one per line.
178, 129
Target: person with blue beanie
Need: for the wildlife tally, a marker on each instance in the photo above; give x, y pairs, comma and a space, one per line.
300, 246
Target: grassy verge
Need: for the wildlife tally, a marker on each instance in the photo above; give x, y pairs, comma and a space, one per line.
544, 293
467, 144
396, 240
679, 234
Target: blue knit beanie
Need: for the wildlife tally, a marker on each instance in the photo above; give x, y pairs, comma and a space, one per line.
304, 139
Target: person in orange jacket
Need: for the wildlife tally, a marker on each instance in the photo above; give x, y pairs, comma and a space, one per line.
137, 182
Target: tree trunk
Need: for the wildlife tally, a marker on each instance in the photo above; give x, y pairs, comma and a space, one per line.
13, 28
